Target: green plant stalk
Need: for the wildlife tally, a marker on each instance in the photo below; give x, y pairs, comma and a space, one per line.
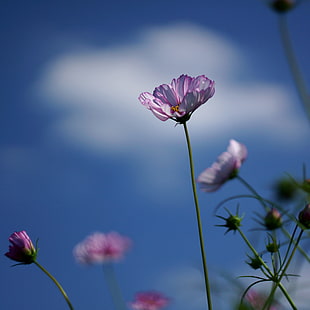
248, 243
252, 190
292, 62
201, 240
57, 284
115, 290
265, 206
278, 282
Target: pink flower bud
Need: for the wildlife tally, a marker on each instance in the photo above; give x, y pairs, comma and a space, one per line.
273, 219
22, 249
304, 216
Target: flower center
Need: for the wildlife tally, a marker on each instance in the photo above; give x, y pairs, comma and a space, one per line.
175, 108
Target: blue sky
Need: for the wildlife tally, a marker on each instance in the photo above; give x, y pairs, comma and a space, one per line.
79, 154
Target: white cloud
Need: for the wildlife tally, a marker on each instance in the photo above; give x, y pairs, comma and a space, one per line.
97, 91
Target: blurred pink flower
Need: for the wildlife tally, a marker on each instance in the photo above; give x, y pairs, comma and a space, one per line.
22, 249
257, 300
101, 248
179, 99
149, 301
226, 167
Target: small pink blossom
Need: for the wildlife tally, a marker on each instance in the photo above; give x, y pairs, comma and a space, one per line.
257, 300
226, 167
179, 99
22, 249
101, 248
149, 301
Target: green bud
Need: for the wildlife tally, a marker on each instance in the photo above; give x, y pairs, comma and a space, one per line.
255, 262
285, 189
272, 247
233, 222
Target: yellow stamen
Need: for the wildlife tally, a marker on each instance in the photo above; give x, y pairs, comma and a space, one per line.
175, 108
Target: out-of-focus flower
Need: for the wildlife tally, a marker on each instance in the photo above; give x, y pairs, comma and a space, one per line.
225, 168
257, 300
22, 249
282, 6
101, 248
149, 301
179, 99
304, 216
273, 219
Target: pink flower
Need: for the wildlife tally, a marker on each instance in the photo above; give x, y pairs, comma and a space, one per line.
149, 301
179, 99
257, 300
225, 168
22, 249
101, 248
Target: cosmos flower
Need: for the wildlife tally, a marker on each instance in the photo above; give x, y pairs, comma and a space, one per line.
149, 301
22, 249
101, 248
179, 99
257, 300
225, 168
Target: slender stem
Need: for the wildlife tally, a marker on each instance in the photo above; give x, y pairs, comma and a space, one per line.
114, 287
292, 62
255, 252
252, 190
287, 295
201, 240
64, 294
278, 282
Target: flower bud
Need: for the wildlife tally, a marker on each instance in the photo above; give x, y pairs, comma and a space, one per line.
285, 189
304, 217
282, 6
232, 222
273, 219
255, 262
22, 249
272, 247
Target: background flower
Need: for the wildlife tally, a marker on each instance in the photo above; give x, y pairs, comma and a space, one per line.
22, 249
149, 301
226, 167
101, 248
179, 99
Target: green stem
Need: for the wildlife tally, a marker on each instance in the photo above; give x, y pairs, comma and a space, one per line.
255, 193
255, 252
201, 240
292, 62
115, 291
57, 284
278, 282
